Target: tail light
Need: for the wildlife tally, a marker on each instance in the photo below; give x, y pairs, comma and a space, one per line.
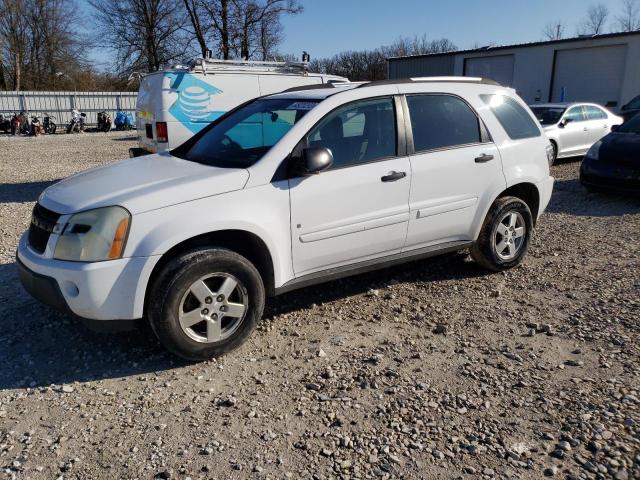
161, 132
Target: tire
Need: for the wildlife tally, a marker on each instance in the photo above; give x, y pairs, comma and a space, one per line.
555, 154
172, 292
489, 251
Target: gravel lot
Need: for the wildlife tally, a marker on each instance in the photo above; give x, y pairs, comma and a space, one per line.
435, 369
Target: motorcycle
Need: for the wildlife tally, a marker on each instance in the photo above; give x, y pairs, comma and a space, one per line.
124, 121
36, 127
104, 122
20, 124
5, 123
77, 123
49, 125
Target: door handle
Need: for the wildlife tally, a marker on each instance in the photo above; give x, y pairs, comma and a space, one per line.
484, 158
585, 129
393, 176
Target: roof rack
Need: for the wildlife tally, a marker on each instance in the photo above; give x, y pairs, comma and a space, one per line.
207, 65
486, 81
321, 86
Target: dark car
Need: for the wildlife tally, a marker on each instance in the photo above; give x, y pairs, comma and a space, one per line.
631, 109
613, 163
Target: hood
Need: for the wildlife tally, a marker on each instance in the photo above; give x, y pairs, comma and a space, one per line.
141, 184
621, 149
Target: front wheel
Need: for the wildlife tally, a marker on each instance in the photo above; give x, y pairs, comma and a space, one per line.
205, 303
505, 235
554, 155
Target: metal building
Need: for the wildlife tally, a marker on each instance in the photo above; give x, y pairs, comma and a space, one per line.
603, 68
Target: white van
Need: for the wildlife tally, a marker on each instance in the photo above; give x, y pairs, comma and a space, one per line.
175, 104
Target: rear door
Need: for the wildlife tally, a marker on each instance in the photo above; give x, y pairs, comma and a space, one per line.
574, 137
598, 122
358, 209
454, 169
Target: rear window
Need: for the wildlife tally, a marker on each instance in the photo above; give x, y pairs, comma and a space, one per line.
515, 120
594, 113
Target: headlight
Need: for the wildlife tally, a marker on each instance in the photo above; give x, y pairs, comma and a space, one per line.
594, 151
94, 235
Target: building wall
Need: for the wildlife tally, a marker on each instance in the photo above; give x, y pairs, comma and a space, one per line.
533, 67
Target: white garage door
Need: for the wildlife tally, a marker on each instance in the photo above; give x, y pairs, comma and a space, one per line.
498, 68
589, 74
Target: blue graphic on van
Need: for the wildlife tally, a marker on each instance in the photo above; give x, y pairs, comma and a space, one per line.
195, 97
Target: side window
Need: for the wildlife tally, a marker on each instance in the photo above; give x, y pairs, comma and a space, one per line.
575, 114
358, 132
594, 113
441, 121
515, 120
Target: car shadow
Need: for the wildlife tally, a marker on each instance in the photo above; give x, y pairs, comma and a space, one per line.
452, 266
571, 197
40, 347
130, 138
23, 192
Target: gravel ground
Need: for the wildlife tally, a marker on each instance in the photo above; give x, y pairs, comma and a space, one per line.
436, 369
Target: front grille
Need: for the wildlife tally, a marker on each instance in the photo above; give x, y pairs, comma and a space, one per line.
42, 223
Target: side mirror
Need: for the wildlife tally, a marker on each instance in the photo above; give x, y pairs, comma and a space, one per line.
614, 128
314, 160
565, 121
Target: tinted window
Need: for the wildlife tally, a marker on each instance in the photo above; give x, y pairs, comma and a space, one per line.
575, 114
358, 132
594, 113
548, 115
440, 121
243, 137
515, 120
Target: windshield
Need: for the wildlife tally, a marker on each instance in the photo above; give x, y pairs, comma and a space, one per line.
634, 104
631, 126
548, 115
243, 137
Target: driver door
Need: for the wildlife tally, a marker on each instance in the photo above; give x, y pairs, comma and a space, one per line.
574, 136
358, 208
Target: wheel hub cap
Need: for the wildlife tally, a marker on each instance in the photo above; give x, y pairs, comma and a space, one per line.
213, 307
509, 235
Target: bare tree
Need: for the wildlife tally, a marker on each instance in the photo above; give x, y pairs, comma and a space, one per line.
554, 30
194, 11
13, 30
145, 34
629, 18
595, 21
372, 64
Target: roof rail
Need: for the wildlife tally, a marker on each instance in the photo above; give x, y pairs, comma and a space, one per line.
320, 86
486, 81
215, 65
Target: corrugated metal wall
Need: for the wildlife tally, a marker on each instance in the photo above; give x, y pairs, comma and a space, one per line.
425, 66
60, 104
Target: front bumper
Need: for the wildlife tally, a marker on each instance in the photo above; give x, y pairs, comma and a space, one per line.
609, 179
110, 290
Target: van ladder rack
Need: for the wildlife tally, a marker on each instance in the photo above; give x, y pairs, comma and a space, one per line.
215, 65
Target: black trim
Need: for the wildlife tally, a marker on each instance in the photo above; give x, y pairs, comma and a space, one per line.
553, 75
43, 288
369, 265
138, 152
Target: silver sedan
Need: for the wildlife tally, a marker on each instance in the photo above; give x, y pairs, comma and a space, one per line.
574, 127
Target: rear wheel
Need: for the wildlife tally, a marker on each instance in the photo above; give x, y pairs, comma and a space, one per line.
205, 303
505, 234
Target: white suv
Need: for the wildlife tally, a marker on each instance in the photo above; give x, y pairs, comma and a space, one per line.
286, 191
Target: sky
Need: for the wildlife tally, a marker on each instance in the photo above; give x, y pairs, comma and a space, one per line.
327, 27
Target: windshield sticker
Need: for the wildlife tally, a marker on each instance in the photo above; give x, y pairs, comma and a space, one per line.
302, 106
